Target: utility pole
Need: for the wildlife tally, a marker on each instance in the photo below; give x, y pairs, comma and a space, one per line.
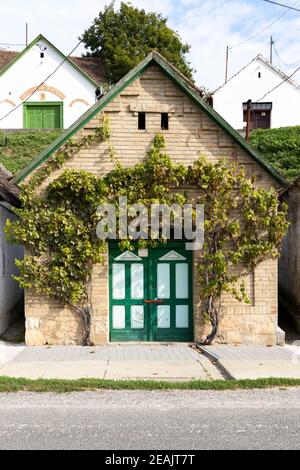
272, 42
248, 129
227, 61
26, 39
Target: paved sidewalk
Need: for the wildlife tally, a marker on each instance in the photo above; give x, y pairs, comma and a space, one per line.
112, 361
9, 352
254, 362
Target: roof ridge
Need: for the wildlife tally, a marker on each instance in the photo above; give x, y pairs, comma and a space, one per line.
65, 57
266, 62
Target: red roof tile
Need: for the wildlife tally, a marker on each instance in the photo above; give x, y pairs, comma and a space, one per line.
91, 66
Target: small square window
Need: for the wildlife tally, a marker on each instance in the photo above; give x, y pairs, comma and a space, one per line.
142, 121
164, 121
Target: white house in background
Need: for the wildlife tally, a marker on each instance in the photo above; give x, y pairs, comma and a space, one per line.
62, 99
279, 108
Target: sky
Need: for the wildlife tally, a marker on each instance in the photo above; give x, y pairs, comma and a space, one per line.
207, 25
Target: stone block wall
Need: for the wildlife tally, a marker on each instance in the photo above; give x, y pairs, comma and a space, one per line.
191, 133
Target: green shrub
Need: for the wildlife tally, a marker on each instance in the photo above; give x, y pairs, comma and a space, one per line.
18, 148
281, 148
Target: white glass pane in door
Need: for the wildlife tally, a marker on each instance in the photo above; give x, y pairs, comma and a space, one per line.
137, 316
163, 281
118, 281
163, 316
137, 281
118, 315
182, 281
182, 316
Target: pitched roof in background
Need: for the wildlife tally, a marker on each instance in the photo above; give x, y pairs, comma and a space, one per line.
260, 58
90, 67
9, 192
154, 58
6, 57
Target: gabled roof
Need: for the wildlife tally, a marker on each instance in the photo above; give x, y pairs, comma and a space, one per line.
6, 57
90, 68
185, 85
260, 58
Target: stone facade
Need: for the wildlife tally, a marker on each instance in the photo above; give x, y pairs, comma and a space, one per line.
191, 132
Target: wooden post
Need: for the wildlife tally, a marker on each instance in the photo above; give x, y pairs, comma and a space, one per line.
271, 50
248, 128
227, 61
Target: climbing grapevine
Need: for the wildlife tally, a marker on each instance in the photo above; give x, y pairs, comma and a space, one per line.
243, 224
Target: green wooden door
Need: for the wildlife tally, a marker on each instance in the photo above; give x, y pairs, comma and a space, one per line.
171, 283
34, 117
51, 116
151, 294
129, 286
43, 116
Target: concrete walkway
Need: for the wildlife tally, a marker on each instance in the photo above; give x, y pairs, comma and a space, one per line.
254, 362
177, 362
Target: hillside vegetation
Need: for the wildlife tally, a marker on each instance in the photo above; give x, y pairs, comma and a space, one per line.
18, 148
281, 148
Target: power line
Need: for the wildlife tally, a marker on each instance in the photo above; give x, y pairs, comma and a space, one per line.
264, 29
281, 83
283, 64
47, 78
282, 5
10, 44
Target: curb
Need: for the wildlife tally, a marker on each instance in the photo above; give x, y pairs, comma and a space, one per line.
216, 362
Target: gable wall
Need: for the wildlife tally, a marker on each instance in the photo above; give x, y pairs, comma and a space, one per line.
191, 133
29, 71
246, 85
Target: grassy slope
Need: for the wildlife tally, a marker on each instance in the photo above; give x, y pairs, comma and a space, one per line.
280, 147
22, 147
9, 384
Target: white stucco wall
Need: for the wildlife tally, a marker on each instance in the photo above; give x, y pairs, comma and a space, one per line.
31, 70
247, 85
10, 293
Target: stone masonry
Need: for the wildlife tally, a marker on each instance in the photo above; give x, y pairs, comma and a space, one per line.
191, 133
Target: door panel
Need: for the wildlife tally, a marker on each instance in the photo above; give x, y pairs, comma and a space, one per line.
151, 297
172, 319
128, 289
34, 117
39, 116
51, 117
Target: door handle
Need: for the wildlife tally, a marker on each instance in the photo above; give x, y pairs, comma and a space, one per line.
155, 301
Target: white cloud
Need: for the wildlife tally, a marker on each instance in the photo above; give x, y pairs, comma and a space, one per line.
208, 25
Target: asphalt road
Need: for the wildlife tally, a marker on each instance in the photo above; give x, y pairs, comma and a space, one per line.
136, 420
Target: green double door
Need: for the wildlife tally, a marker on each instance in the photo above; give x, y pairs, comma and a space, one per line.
151, 294
43, 116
